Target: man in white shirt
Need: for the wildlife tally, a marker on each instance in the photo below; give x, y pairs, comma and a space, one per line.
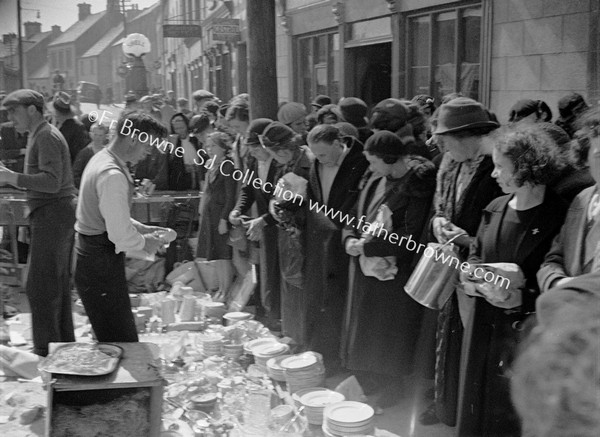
106, 230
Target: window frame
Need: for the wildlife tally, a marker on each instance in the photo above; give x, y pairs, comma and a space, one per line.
459, 41
300, 94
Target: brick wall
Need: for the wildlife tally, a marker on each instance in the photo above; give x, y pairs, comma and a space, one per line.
539, 51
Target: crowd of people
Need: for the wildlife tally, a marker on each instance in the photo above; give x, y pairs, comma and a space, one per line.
523, 198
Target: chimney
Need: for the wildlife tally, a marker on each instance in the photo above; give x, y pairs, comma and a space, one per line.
84, 10
32, 28
56, 31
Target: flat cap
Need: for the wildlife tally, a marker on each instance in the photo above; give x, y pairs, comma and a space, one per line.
24, 97
146, 99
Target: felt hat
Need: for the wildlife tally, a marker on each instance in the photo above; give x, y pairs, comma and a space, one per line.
320, 101
389, 114
277, 134
461, 114
256, 128
571, 104
24, 97
354, 110
62, 101
290, 112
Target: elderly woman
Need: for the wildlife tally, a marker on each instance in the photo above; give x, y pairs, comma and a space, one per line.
464, 187
289, 209
576, 250
517, 228
383, 321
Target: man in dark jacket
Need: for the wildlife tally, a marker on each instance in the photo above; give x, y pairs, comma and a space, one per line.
333, 184
72, 129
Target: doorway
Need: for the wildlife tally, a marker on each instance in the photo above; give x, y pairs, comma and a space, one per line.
369, 72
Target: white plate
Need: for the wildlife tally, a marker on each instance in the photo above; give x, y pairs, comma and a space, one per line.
269, 349
348, 412
249, 346
321, 398
299, 361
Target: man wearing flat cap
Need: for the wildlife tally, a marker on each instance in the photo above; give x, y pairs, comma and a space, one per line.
48, 180
72, 129
200, 98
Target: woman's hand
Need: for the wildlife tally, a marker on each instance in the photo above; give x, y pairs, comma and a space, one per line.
438, 224
354, 246
234, 218
255, 227
223, 227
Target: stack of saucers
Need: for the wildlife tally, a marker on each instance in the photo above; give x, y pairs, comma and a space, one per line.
274, 369
314, 403
348, 418
296, 396
250, 345
211, 344
265, 352
303, 371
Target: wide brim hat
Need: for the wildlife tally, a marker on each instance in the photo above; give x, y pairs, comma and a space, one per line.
461, 114
62, 101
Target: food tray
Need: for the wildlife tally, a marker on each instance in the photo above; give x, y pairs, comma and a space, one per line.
83, 359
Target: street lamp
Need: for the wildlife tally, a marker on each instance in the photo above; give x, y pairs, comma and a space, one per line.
135, 46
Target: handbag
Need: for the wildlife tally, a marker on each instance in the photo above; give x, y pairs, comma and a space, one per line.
435, 277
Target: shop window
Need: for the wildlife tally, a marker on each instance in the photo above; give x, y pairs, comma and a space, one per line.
318, 73
443, 53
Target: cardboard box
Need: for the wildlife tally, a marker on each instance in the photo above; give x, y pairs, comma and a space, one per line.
136, 384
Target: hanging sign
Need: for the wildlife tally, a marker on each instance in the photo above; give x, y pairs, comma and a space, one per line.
182, 31
226, 29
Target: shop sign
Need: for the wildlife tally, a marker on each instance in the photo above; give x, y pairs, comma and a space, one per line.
226, 29
182, 31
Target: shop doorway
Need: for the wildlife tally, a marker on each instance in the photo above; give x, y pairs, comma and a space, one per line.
369, 72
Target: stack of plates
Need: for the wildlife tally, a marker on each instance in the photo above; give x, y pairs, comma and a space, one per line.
303, 371
233, 350
274, 369
250, 345
296, 396
211, 344
314, 403
348, 418
265, 352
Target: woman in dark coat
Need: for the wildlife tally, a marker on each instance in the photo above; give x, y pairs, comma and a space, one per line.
217, 202
517, 228
183, 173
383, 321
286, 148
464, 187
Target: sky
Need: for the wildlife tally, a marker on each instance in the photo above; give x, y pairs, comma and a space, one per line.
61, 12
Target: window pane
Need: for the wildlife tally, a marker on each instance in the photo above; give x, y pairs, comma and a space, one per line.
469, 72
334, 74
305, 69
419, 55
444, 50
379, 27
321, 49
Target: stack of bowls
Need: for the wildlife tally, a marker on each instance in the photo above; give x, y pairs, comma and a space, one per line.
304, 370
233, 350
237, 316
314, 403
348, 418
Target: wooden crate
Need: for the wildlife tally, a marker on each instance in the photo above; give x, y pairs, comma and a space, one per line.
136, 374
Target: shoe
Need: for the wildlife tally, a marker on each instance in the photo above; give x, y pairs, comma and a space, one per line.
429, 416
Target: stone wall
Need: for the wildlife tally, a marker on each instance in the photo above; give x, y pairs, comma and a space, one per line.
539, 51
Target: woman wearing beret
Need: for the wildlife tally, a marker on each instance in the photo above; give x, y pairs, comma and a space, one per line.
517, 228
383, 322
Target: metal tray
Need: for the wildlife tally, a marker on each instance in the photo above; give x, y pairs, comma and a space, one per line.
83, 359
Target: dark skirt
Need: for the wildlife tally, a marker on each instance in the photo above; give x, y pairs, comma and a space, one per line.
383, 325
294, 302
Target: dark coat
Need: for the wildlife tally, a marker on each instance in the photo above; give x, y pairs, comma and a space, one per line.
178, 178
326, 263
268, 249
383, 321
76, 135
565, 257
218, 201
492, 338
